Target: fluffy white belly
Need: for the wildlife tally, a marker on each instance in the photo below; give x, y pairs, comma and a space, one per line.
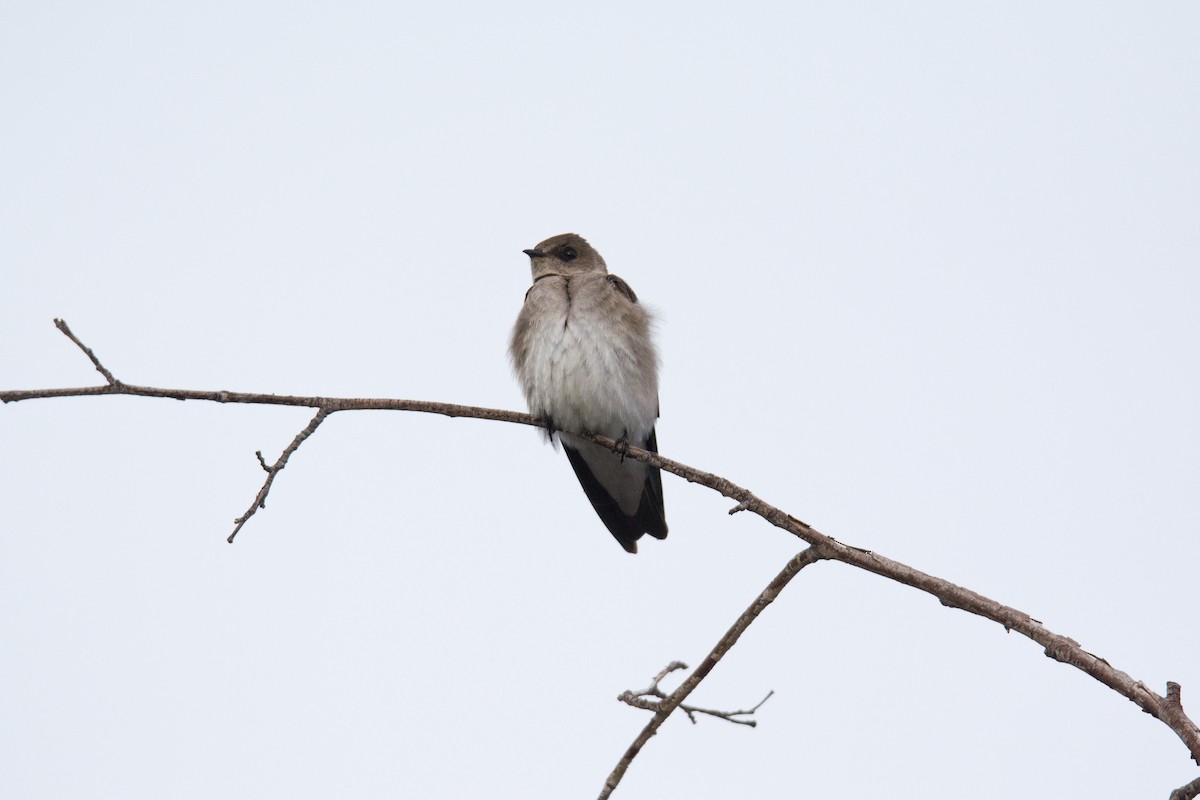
581, 372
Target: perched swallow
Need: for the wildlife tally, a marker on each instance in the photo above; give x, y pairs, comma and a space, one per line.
583, 351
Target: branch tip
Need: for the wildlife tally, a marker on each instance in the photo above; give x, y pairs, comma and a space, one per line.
61, 324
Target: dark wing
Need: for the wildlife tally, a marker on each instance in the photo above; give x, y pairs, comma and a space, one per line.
622, 287
651, 516
625, 528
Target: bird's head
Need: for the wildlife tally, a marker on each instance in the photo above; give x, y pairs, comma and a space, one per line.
566, 254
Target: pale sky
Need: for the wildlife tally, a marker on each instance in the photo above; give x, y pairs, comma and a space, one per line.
926, 278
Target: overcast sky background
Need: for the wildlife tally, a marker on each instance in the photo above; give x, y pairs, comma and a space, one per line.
926, 278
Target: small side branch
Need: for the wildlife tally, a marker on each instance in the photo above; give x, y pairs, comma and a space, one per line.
650, 697
87, 351
667, 705
260, 500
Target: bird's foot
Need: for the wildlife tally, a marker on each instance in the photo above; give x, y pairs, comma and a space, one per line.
621, 448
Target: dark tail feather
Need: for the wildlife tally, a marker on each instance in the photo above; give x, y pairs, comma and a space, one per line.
626, 529
650, 515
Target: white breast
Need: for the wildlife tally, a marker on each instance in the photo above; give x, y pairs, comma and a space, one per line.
580, 369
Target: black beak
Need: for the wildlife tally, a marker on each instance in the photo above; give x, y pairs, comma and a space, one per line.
533, 253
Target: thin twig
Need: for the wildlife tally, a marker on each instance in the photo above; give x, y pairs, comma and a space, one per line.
87, 351
667, 670
260, 500
798, 562
642, 699
652, 689
730, 716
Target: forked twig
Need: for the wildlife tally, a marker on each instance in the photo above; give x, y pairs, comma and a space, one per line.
666, 706
648, 699
260, 500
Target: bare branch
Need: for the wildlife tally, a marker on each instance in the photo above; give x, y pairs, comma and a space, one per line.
260, 500
1056, 646
668, 704
1187, 792
1061, 648
257, 398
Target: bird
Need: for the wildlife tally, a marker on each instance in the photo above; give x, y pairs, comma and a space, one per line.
583, 352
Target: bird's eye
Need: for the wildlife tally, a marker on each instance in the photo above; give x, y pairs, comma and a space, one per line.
568, 254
